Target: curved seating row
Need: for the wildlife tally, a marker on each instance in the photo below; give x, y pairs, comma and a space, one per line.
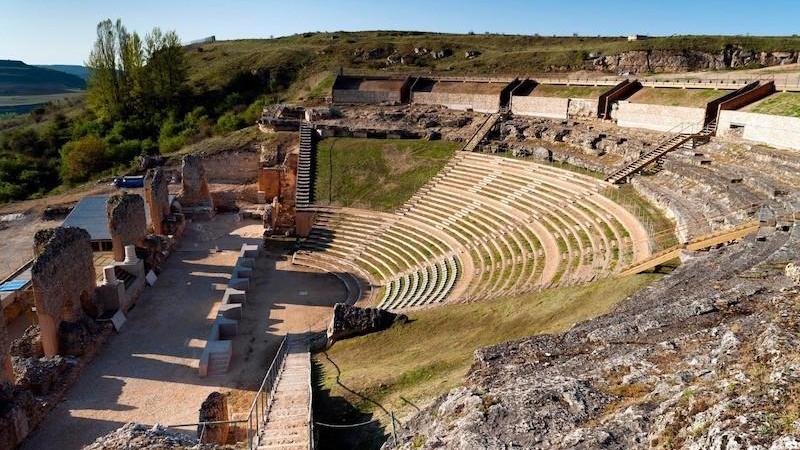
484, 226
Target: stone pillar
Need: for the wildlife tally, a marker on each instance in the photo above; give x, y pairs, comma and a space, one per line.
156, 198
49, 333
126, 222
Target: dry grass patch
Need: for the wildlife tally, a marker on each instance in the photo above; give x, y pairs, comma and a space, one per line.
697, 98
412, 364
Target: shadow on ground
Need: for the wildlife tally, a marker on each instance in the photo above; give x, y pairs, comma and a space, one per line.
336, 410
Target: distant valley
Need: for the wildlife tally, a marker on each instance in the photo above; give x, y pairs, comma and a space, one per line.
23, 87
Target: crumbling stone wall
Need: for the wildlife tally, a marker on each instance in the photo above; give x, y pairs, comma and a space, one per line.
63, 278
214, 409
6, 369
156, 196
233, 167
126, 222
194, 188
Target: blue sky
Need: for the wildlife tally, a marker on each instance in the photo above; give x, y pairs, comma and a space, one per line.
62, 32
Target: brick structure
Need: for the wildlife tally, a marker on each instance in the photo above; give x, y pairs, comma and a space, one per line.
277, 184
194, 189
126, 222
156, 196
63, 279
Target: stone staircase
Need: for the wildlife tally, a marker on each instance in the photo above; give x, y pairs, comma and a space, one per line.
674, 142
287, 424
304, 164
478, 137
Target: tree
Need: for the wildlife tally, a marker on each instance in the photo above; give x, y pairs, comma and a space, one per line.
82, 158
131, 76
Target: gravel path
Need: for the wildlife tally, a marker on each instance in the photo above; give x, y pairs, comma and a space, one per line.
148, 373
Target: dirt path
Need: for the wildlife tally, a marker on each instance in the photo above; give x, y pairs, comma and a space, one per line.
148, 373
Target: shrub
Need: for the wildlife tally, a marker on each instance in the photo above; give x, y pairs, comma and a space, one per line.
81, 158
229, 122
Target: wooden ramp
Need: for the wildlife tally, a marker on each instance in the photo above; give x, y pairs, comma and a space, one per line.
701, 243
478, 137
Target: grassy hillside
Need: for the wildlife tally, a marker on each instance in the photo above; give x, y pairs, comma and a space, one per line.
18, 78
411, 364
220, 65
376, 173
78, 71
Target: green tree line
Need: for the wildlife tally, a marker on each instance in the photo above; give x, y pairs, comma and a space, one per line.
137, 102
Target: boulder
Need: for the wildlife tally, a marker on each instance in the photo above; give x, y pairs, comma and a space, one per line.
349, 321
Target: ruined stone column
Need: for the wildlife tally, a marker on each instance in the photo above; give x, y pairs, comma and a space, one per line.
194, 186
156, 196
126, 222
62, 276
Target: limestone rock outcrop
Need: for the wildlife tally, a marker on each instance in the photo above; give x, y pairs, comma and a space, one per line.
664, 61
707, 357
349, 321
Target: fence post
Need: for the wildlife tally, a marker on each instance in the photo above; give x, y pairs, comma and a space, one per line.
394, 430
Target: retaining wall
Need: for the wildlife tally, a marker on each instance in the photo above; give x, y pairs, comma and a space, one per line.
235, 166
776, 131
484, 103
658, 117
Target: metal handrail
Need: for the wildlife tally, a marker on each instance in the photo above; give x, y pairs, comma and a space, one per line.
262, 402
310, 406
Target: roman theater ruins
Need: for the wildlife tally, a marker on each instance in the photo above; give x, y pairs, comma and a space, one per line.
214, 283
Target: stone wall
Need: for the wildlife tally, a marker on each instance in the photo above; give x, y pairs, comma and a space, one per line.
235, 166
547, 107
156, 196
485, 103
6, 369
126, 222
63, 278
658, 117
194, 184
582, 107
776, 131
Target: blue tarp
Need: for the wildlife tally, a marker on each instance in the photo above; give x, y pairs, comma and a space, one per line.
13, 285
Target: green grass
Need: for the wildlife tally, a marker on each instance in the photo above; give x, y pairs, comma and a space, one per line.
552, 90
780, 104
677, 97
428, 356
376, 173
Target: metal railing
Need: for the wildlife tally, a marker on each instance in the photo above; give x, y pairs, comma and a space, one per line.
258, 409
310, 403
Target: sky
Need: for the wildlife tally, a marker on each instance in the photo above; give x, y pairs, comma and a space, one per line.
62, 31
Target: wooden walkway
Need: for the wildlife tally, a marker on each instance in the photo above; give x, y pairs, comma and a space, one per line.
701, 243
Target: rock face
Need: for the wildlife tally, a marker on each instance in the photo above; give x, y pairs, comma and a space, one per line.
349, 321
706, 358
662, 61
214, 409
